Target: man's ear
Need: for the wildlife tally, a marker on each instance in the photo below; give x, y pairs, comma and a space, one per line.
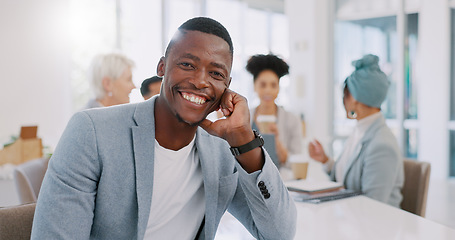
161, 68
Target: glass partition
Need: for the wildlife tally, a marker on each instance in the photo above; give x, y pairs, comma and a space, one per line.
353, 39
452, 96
410, 101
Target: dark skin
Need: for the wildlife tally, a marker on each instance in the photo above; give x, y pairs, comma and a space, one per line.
196, 77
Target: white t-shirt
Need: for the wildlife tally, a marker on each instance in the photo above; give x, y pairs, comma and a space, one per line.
178, 203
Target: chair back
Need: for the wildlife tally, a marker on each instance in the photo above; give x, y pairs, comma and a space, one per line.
16, 222
415, 189
28, 178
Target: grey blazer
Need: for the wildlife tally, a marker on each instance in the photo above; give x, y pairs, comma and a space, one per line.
100, 181
376, 167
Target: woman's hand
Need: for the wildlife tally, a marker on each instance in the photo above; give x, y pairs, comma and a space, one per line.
316, 151
282, 152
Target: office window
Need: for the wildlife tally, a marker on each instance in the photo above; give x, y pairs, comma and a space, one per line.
452, 98
410, 57
100, 26
452, 154
357, 34
410, 87
93, 30
353, 39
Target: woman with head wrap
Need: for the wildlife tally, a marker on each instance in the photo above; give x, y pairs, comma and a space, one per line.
111, 80
371, 161
268, 117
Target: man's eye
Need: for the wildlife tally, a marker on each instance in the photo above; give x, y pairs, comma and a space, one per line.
186, 65
218, 75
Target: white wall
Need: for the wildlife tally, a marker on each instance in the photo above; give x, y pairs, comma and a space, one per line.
433, 73
34, 85
311, 64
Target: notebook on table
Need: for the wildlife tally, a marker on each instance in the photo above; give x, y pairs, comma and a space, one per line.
308, 186
317, 192
324, 197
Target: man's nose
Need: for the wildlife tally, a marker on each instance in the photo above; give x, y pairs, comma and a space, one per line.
201, 80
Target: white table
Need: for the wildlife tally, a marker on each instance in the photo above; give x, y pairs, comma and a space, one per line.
351, 219
364, 218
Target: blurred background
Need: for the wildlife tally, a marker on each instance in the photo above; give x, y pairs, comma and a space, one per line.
46, 47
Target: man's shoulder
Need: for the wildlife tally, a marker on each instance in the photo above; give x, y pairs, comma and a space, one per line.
110, 111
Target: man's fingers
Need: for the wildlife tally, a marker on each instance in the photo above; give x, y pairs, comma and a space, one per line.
207, 125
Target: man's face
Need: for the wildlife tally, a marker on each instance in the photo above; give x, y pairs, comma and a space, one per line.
196, 73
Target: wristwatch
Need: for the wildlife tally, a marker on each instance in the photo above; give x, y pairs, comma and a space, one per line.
258, 141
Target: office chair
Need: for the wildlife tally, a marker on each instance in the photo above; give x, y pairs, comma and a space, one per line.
16, 222
28, 178
415, 188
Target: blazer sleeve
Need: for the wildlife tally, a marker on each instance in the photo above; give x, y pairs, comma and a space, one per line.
272, 217
65, 206
381, 166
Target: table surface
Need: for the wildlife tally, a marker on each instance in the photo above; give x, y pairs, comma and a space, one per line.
351, 218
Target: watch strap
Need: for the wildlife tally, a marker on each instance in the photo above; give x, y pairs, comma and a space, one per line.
258, 141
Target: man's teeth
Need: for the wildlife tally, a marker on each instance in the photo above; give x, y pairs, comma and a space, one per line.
194, 99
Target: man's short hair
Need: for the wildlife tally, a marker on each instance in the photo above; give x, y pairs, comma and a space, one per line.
205, 25
145, 84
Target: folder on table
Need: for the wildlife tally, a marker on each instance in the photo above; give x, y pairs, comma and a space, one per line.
308, 186
325, 196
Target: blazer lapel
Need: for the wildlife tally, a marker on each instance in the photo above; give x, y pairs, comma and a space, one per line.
211, 177
144, 151
366, 138
352, 160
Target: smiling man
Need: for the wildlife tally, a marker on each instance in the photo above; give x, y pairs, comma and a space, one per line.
159, 169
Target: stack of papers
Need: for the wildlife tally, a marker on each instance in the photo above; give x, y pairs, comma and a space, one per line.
317, 192
306, 186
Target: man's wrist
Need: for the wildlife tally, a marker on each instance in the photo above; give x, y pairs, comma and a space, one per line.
239, 137
258, 141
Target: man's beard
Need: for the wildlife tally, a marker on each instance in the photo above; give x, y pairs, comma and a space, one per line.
180, 119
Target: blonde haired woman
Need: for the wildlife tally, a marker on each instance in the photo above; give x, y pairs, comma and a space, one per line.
111, 80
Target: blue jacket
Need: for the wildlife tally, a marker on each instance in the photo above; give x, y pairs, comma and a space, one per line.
100, 181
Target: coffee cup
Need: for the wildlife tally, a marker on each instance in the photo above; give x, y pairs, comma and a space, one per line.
299, 166
299, 169
264, 123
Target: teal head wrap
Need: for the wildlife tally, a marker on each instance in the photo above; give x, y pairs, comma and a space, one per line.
368, 84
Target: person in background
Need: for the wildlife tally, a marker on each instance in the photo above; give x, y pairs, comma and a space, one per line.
371, 161
268, 116
159, 169
111, 80
150, 87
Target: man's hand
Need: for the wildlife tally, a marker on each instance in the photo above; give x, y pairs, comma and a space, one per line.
236, 129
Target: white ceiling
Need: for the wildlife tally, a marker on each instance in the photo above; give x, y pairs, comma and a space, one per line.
271, 5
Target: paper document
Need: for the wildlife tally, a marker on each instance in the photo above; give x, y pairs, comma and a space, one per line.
325, 196
312, 186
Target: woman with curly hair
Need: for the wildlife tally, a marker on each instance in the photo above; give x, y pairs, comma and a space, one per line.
268, 116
